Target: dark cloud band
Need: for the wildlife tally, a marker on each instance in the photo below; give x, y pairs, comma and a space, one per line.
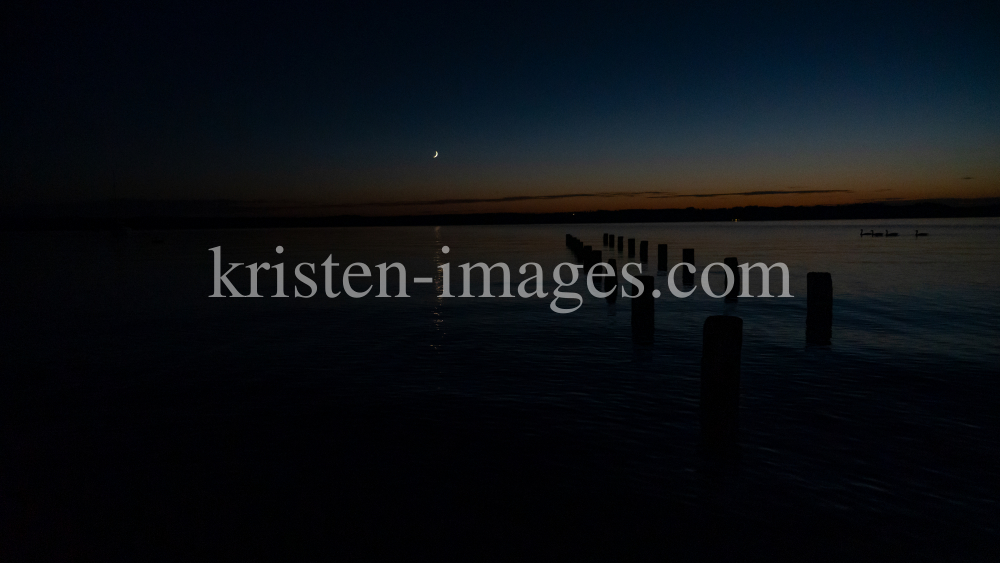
498, 199
509, 199
761, 192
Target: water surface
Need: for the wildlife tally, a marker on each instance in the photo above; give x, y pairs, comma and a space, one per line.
122, 376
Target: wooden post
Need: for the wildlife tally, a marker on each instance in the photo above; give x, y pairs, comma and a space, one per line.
631, 247
819, 307
642, 311
733, 295
661, 258
722, 343
611, 282
688, 277
644, 251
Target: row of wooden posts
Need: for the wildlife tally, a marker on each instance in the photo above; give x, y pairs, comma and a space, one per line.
722, 335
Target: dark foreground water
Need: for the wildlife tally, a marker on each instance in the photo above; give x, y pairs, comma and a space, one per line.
143, 420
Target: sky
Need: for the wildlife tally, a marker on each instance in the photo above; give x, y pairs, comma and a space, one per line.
339, 108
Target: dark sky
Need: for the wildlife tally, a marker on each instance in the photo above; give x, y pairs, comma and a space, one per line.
627, 107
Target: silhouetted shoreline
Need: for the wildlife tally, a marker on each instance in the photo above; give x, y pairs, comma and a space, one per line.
750, 213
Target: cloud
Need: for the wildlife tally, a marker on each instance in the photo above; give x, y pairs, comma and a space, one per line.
967, 178
508, 199
878, 199
761, 192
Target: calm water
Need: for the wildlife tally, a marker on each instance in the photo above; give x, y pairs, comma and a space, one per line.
121, 374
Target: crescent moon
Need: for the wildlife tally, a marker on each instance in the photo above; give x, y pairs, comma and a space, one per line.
435, 154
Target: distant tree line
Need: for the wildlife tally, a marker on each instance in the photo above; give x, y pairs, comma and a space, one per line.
691, 214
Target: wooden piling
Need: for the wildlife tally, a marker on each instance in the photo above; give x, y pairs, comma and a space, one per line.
644, 251
733, 295
631, 247
661, 258
621, 243
819, 307
642, 311
688, 256
611, 282
722, 343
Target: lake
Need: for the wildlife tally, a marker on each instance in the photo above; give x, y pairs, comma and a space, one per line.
139, 412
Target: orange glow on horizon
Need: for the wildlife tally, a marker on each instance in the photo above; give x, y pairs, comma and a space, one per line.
542, 204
